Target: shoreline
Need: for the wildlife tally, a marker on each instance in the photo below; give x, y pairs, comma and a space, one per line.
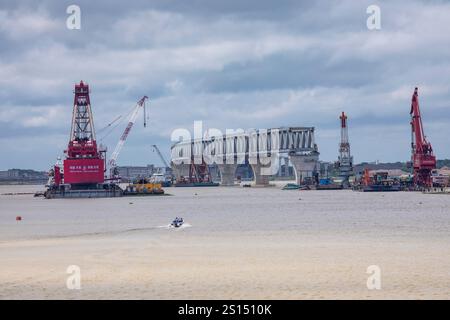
137, 267
318, 247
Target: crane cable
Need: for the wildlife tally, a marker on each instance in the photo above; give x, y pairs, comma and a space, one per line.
109, 124
121, 118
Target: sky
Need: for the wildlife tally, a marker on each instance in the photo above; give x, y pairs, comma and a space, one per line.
231, 64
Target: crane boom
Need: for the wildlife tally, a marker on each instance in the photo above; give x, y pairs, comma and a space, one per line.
123, 138
416, 122
160, 156
422, 155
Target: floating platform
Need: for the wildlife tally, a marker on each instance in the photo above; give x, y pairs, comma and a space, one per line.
327, 186
87, 193
155, 193
437, 190
198, 184
380, 188
143, 188
102, 191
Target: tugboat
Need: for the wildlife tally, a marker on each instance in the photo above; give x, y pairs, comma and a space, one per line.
379, 182
177, 222
162, 179
142, 186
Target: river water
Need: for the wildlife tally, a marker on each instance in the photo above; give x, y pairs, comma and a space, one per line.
249, 243
228, 209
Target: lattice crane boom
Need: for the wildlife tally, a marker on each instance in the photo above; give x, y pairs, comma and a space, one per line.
422, 156
140, 104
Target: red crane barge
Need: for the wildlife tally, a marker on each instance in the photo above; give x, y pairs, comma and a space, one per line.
422, 156
83, 171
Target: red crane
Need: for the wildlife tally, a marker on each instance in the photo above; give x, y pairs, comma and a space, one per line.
422, 157
84, 164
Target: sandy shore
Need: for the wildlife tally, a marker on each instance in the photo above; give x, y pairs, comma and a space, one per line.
306, 261
249, 267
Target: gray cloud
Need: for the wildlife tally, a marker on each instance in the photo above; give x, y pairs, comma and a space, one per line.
229, 63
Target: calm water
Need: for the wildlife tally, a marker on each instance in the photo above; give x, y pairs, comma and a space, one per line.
225, 209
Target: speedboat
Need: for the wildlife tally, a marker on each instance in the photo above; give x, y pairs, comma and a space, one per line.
177, 222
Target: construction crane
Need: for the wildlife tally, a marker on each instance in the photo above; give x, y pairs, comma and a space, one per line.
166, 164
345, 160
112, 161
422, 157
84, 163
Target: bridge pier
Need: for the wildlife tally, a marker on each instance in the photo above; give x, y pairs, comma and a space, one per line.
227, 174
254, 146
304, 165
260, 175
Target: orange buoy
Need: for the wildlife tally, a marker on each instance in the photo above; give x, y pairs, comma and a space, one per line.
18, 218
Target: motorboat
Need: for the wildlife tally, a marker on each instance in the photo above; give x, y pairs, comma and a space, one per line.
177, 222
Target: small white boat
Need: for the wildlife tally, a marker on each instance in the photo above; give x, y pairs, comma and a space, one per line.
177, 222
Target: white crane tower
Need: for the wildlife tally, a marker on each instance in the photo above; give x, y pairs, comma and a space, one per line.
112, 161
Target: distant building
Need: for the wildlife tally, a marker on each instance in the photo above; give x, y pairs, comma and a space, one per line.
441, 177
445, 171
15, 173
129, 173
20, 175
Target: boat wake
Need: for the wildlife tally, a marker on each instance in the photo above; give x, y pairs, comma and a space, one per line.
170, 226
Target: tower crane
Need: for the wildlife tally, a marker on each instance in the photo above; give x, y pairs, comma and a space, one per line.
84, 163
422, 157
345, 162
112, 161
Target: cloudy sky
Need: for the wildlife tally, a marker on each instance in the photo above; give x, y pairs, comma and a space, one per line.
232, 64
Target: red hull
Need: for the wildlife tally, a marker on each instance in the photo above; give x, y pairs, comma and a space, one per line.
82, 171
